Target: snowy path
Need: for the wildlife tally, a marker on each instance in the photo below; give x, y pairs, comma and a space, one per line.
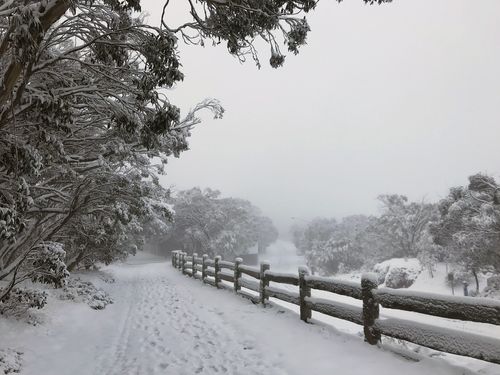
164, 332
165, 323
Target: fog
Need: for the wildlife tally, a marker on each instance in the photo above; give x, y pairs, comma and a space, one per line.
401, 98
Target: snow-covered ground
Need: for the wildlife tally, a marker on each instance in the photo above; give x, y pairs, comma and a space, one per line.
277, 257
165, 323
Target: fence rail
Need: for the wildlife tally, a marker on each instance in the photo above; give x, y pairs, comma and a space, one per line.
257, 279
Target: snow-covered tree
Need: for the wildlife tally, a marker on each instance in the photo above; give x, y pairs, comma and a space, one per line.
82, 111
305, 235
266, 233
80, 119
403, 225
469, 225
205, 222
330, 246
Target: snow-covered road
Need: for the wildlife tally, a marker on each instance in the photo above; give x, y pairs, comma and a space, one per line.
165, 323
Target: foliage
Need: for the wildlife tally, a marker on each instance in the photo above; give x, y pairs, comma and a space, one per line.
78, 290
19, 300
81, 118
400, 231
48, 264
330, 246
84, 118
403, 225
240, 24
469, 225
463, 229
204, 222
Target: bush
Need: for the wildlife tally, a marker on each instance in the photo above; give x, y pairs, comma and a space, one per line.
381, 269
10, 361
492, 289
85, 291
19, 300
398, 273
400, 277
48, 264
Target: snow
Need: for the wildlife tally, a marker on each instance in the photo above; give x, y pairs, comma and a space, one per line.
10, 361
440, 338
424, 282
163, 322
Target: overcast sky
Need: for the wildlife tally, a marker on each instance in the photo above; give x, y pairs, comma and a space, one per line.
401, 98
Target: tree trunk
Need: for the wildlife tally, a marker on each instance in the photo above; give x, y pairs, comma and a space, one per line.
477, 280
72, 263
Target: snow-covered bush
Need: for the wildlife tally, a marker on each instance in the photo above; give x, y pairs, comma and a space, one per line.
381, 270
19, 300
398, 273
10, 361
48, 264
399, 277
492, 289
85, 291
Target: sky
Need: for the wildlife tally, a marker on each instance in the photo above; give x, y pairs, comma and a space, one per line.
400, 98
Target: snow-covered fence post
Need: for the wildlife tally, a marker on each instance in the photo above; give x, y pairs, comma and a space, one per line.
304, 291
237, 274
204, 267
183, 263
194, 264
173, 258
264, 266
217, 270
370, 308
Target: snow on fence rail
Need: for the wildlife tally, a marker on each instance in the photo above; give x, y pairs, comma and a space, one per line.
257, 279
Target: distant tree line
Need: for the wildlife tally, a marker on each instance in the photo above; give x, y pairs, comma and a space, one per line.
207, 223
462, 229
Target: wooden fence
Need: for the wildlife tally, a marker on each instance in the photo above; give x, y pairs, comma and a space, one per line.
482, 310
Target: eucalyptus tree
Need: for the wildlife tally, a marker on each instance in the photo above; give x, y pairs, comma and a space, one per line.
206, 222
469, 225
84, 117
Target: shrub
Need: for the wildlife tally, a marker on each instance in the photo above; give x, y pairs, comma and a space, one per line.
19, 300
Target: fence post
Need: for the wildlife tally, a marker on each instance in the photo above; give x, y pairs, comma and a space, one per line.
304, 291
204, 267
217, 270
173, 258
466, 291
264, 266
370, 308
183, 263
179, 259
194, 265
237, 274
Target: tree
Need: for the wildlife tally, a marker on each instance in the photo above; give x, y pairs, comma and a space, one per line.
74, 153
317, 230
403, 225
330, 246
266, 233
83, 114
204, 222
469, 225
